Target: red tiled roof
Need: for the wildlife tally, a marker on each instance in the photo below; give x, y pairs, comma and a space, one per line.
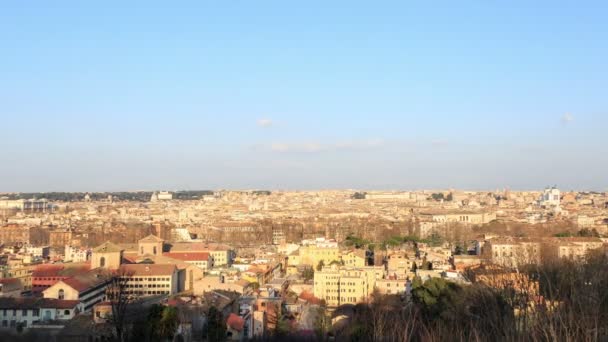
184, 256
10, 281
88, 280
235, 322
61, 270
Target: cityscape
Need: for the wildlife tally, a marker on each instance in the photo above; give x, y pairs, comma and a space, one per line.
273, 264
366, 171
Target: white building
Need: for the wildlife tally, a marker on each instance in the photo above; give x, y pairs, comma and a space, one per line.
551, 197
27, 311
76, 254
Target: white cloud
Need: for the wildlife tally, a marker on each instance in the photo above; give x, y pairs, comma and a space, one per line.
265, 123
567, 118
312, 147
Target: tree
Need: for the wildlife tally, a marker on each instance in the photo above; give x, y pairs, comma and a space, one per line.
216, 327
322, 323
162, 322
320, 265
308, 273
434, 295
117, 294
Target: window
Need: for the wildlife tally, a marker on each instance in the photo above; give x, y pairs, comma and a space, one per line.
66, 312
154, 250
61, 294
24, 312
102, 262
36, 312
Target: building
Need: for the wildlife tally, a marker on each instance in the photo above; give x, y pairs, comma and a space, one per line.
354, 258
47, 275
399, 264
551, 197
38, 252
151, 245
393, 286
24, 273
463, 217
76, 254
61, 237
10, 287
12, 234
107, 255
222, 255
161, 196
26, 204
575, 248
150, 279
512, 252
88, 288
313, 255
339, 286
200, 259
27, 311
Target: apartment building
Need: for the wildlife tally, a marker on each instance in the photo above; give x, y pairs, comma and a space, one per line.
312, 255
399, 264
575, 248
511, 252
353, 258
338, 286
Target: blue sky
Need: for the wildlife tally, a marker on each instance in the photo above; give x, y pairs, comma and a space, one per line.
307, 95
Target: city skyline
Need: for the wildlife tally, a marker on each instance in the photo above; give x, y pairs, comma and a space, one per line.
282, 96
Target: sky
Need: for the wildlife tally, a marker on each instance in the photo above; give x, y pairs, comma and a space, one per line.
297, 95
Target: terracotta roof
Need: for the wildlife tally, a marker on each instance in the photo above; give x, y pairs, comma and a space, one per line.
148, 269
83, 282
235, 322
107, 247
185, 256
37, 303
60, 270
10, 281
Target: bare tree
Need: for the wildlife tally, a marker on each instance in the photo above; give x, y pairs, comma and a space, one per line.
119, 297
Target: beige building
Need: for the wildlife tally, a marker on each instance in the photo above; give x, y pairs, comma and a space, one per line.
150, 279
312, 255
464, 217
399, 264
201, 260
353, 258
338, 286
391, 286
513, 252
151, 245
576, 248
107, 255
